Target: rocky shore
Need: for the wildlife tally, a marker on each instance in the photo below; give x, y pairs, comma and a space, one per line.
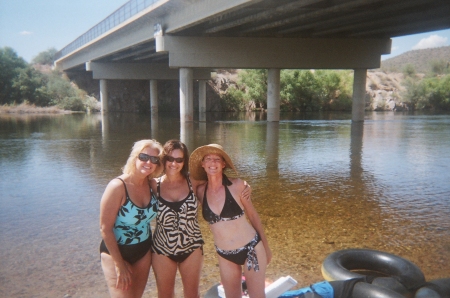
384, 91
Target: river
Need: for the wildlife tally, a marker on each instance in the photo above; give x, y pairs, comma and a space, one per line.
320, 184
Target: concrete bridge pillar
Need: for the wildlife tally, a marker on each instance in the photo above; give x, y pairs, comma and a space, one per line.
202, 95
273, 95
359, 94
202, 100
153, 96
186, 95
104, 95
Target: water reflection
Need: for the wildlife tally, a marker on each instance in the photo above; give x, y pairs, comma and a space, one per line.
154, 126
272, 146
105, 127
320, 183
187, 134
202, 116
356, 144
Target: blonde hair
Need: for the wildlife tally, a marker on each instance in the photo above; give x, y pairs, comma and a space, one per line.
138, 147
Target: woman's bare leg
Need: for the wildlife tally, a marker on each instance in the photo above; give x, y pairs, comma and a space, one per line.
231, 278
256, 280
140, 271
165, 271
190, 271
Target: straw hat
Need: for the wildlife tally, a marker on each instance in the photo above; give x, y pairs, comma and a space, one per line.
195, 160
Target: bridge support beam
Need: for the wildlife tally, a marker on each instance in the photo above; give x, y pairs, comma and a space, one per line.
281, 53
273, 95
359, 94
186, 95
153, 97
140, 71
104, 95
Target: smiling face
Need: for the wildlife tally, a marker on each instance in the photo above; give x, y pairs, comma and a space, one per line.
147, 167
174, 161
213, 164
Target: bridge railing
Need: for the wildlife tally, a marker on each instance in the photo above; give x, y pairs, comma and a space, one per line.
122, 14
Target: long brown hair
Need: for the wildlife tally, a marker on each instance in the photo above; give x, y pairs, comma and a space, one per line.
174, 144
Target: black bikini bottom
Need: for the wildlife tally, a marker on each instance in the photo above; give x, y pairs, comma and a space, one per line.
239, 255
131, 253
179, 258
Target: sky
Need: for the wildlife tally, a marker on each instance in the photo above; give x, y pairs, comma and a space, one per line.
33, 26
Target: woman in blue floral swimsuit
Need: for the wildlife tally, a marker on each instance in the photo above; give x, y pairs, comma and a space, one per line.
126, 209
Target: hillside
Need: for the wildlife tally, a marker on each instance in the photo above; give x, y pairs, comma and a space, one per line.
420, 59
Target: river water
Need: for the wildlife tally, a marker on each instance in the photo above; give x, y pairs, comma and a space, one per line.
320, 184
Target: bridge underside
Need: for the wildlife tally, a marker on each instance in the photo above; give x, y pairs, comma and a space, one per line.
281, 34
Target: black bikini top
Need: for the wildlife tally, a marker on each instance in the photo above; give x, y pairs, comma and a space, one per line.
231, 210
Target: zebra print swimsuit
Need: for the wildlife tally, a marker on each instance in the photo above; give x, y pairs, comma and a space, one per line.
177, 233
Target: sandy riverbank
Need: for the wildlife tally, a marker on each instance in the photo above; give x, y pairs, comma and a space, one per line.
31, 109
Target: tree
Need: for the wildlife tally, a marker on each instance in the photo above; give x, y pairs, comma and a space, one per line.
439, 67
409, 71
46, 57
255, 82
30, 86
438, 92
10, 66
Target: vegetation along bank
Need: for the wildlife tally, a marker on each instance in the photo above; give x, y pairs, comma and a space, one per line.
415, 80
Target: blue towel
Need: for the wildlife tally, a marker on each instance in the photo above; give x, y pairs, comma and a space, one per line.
321, 289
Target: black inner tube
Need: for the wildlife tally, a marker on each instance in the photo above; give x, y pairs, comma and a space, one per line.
339, 266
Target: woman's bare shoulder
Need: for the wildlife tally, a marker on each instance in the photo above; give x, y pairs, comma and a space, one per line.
196, 183
114, 191
238, 182
115, 183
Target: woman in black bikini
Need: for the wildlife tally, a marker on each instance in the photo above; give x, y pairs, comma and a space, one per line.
238, 242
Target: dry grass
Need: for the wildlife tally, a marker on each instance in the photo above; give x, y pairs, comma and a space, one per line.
25, 108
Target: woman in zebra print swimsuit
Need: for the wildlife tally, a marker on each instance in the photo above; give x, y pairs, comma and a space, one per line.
177, 241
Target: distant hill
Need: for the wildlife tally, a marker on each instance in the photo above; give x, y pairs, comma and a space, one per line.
420, 59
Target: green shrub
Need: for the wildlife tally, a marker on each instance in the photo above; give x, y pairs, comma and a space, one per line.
233, 100
29, 85
439, 67
72, 104
430, 93
46, 57
255, 85
409, 71
59, 88
20, 82
305, 90
300, 90
439, 93
91, 104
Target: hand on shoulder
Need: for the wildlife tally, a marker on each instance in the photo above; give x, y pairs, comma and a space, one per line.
238, 182
200, 190
153, 184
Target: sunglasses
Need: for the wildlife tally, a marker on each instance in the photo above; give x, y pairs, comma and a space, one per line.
172, 159
145, 157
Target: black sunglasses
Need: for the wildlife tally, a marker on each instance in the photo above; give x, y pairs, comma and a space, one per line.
172, 159
145, 157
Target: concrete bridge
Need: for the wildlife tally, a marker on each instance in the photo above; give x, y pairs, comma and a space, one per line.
186, 40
